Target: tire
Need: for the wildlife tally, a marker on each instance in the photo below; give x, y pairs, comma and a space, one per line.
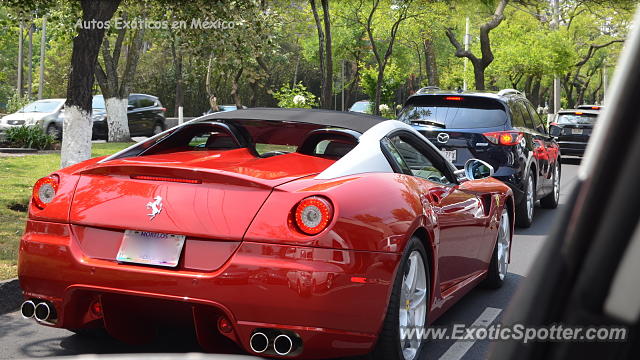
551, 201
500, 260
53, 131
526, 208
389, 345
157, 129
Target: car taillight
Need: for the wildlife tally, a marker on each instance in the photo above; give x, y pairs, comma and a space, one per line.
45, 190
553, 124
313, 214
504, 137
453, 98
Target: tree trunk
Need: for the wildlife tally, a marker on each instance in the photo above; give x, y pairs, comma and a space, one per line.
431, 65
30, 62
354, 82
377, 103
480, 64
535, 92
234, 89
117, 121
177, 66
76, 139
327, 91
115, 88
19, 85
321, 46
527, 86
478, 74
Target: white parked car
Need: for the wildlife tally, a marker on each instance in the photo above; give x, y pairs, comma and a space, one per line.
47, 114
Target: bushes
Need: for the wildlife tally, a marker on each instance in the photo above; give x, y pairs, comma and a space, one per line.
16, 102
29, 137
295, 97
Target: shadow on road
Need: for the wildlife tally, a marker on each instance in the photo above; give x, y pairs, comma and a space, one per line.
468, 309
168, 341
543, 221
571, 161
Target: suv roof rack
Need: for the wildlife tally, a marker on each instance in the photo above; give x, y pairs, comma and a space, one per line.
509, 92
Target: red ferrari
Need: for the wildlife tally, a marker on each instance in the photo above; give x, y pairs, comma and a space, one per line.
286, 233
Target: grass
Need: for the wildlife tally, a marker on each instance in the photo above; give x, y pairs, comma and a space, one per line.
17, 176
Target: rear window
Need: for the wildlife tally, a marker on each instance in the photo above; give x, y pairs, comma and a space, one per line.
454, 112
568, 119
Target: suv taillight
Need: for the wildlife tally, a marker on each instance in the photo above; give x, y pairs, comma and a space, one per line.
45, 190
507, 138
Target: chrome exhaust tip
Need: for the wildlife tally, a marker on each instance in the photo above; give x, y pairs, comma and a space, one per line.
282, 344
42, 311
28, 309
259, 342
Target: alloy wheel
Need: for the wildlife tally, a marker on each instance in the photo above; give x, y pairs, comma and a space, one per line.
530, 199
556, 184
413, 304
504, 237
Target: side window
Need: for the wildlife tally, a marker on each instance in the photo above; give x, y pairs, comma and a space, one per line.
538, 123
517, 118
133, 102
415, 161
146, 102
527, 117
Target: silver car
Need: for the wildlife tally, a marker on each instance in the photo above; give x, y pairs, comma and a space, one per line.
48, 114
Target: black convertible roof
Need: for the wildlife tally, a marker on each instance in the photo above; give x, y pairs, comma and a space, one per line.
346, 120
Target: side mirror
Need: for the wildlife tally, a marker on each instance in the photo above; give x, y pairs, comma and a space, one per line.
129, 107
475, 169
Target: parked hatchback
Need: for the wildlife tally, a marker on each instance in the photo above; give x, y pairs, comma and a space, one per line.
145, 113
47, 114
502, 129
573, 129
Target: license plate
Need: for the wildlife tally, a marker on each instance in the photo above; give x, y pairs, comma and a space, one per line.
449, 154
149, 248
576, 131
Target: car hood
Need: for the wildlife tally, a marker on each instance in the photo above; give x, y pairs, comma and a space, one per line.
26, 116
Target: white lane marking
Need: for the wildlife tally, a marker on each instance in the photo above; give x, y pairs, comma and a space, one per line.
460, 347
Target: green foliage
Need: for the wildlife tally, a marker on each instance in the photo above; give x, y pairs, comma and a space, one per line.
16, 102
31, 137
295, 96
392, 80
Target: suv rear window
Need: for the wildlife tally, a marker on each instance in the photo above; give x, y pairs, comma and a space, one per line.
454, 112
568, 119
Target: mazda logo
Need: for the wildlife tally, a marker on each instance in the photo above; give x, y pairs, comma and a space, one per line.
442, 138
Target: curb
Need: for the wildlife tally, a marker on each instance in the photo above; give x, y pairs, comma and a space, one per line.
10, 295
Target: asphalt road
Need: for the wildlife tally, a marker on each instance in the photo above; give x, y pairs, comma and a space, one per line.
21, 338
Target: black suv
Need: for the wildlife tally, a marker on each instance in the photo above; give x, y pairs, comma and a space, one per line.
500, 128
144, 112
573, 130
